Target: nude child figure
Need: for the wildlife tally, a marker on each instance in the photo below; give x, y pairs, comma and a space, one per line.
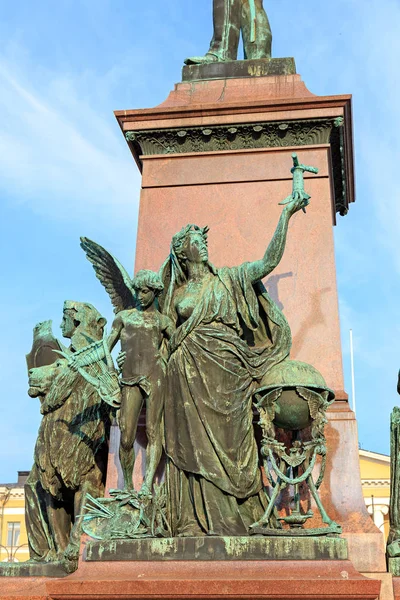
141, 331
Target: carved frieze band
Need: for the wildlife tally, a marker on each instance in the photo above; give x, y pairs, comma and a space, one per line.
250, 136
232, 137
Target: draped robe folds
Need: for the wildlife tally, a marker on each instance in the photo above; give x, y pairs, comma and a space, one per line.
234, 335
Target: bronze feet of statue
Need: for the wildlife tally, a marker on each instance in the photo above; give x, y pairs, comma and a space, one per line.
203, 60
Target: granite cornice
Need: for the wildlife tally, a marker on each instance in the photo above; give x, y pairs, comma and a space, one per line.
127, 118
254, 135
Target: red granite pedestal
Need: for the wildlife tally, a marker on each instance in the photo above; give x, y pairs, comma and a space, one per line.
336, 580
219, 153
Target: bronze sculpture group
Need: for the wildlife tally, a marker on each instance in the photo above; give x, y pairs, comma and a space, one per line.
202, 348
205, 352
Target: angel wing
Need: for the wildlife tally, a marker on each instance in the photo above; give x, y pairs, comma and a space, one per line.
111, 274
315, 400
268, 401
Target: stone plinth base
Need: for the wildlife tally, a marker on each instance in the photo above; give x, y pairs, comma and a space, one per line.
305, 580
240, 68
219, 548
32, 569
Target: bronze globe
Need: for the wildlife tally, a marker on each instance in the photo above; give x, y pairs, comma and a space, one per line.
291, 409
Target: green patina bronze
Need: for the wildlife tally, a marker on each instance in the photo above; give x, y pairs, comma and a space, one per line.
298, 171
237, 69
219, 548
225, 343
200, 346
232, 18
293, 396
127, 514
71, 448
393, 542
33, 568
143, 332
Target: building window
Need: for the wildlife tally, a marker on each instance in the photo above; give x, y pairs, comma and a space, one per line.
13, 531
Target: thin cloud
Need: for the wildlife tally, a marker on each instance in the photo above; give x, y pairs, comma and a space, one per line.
67, 161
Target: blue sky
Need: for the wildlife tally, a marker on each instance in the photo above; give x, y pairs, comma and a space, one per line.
66, 171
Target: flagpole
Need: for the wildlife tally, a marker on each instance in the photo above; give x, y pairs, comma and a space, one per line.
353, 386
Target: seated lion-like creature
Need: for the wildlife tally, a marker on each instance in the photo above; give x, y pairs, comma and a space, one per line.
71, 449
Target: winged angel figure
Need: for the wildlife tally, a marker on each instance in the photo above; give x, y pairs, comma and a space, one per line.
141, 330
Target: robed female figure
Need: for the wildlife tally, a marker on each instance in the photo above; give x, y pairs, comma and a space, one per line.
229, 333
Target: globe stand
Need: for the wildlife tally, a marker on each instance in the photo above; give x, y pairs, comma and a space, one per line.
293, 408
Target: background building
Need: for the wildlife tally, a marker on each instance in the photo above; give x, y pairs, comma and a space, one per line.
375, 479
13, 538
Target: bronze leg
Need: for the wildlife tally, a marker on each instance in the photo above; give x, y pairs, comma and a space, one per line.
93, 485
131, 405
260, 47
60, 520
225, 41
154, 414
41, 544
